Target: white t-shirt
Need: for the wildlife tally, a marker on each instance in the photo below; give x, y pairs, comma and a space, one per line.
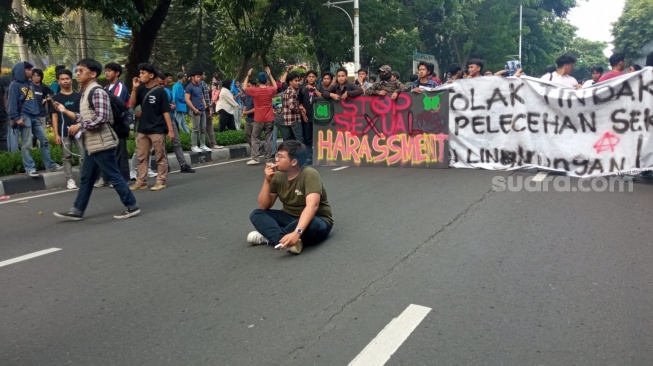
588, 83
556, 78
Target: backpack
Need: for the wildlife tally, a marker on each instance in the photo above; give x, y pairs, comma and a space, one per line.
122, 118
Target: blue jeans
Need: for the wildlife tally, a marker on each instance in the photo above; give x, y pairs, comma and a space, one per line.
25, 133
292, 132
275, 224
102, 162
180, 117
275, 133
38, 130
12, 138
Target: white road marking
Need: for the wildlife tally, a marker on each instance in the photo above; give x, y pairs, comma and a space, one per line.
216, 164
75, 190
341, 168
539, 176
28, 256
388, 341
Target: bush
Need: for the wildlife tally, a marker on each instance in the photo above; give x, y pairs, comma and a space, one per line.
49, 75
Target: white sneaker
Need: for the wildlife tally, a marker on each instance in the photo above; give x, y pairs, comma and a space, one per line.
253, 162
255, 238
205, 148
151, 173
100, 183
195, 149
71, 184
132, 175
216, 147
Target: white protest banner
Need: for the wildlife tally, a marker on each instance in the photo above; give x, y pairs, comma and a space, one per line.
511, 123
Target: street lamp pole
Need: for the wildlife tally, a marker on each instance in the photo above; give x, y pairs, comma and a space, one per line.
357, 52
520, 29
354, 25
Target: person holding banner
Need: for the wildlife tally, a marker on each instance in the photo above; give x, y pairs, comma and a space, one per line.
597, 71
424, 81
562, 75
385, 85
618, 64
343, 88
474, 68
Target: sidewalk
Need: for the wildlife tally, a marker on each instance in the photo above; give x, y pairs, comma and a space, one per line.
22, 183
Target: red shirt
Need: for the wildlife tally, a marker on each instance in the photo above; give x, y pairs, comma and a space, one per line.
610, 75
262, 103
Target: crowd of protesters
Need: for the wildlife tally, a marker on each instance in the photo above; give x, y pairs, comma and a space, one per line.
267, 106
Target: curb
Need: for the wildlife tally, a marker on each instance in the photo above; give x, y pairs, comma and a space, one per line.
22, 183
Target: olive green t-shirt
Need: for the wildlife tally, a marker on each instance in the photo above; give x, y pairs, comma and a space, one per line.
293, 193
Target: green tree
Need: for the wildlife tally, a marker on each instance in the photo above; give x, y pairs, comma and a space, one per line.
388, 34
589, 54
144, 17
186, 38
247, 30
457, 30
633, 32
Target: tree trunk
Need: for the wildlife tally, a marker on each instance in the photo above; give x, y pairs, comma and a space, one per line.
51, 60
5, 6
38, 62
243, 68
2, 41
83, 43
459, 56
143, 38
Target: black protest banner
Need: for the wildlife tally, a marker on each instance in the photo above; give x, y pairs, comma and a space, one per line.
411, 131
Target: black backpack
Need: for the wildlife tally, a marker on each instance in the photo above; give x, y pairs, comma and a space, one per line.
122, 117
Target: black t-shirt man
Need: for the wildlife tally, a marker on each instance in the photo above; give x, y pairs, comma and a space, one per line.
306, 97
152, 121
71, 101
41, 92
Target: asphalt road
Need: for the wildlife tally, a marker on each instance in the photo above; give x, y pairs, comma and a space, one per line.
511, 278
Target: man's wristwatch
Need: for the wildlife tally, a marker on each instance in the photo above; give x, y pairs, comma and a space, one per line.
299, 231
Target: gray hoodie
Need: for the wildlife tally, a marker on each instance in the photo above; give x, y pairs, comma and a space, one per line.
21, 99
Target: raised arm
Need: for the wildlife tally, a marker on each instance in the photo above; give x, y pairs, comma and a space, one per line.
249, 74
272, 81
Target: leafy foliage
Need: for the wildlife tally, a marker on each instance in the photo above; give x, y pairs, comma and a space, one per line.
633, 33
185, 38
589, 54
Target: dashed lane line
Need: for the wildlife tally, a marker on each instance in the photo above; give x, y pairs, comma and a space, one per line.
28, 256
388, 341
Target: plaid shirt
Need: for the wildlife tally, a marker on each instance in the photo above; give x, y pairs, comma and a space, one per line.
205, 91
291, 111
102, 109
430, 83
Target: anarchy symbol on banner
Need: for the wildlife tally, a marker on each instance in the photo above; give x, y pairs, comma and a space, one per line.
608, 142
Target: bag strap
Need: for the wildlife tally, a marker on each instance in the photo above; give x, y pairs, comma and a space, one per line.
150, 92
90, 97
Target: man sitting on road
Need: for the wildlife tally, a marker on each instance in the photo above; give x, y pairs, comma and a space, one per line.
306, 214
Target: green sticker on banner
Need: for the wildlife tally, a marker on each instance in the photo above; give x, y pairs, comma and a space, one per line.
322, 111
431, 104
